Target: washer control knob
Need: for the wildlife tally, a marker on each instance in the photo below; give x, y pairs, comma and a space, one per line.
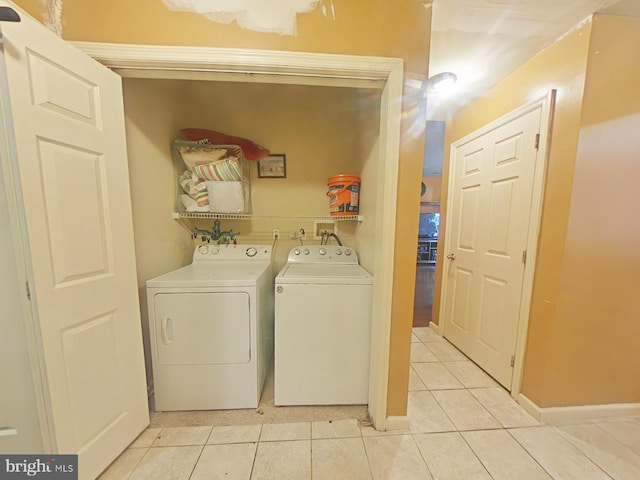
251, 252
347, 252
280, 289
322, 251
306, 251
214, 250
338, 251
296, 251
203, 249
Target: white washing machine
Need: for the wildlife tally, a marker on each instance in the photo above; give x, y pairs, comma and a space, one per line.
322, 328
211, 329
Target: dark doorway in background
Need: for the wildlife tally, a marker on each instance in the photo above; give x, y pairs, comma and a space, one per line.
423, 298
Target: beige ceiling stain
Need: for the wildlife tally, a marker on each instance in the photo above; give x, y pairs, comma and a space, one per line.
259, 15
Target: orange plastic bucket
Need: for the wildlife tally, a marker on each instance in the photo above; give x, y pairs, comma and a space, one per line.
344, 195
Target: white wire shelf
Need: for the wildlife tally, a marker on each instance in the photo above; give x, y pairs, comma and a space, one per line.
233, 216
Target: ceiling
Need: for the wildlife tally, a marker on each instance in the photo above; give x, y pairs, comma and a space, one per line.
482, 41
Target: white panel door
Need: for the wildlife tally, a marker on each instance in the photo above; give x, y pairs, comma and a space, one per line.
68, 120
19, 419
487, 228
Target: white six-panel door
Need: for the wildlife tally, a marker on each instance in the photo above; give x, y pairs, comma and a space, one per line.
488, 223
68, 121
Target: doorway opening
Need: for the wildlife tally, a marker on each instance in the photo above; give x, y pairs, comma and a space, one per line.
216, 64
429, 224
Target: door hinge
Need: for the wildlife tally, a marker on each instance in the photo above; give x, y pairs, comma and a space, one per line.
28, 291
524, 257
513, 360
536, 143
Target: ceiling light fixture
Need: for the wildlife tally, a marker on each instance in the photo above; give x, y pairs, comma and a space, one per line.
441, 81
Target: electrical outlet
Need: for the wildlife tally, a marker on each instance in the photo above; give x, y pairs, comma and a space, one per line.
276, 233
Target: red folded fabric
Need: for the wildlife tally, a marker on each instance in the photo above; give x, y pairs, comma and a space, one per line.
252, 151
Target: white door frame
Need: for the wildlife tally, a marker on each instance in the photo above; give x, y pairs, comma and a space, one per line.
205, 63
547, 104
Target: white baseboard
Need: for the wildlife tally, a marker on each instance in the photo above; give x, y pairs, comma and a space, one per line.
529, 406
577, 414
398, 423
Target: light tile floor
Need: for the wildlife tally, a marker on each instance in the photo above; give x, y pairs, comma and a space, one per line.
463, 426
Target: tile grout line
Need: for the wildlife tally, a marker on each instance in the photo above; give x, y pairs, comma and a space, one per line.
413, 435
528, 452
255, 456
158, 435
416, 374
139, 462
366, 453
597, 424
134, 468
580, 453
567, 438
141, 458
474, 452
311, 458
195, 465
310, 450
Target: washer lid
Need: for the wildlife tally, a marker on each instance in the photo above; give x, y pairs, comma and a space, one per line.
324, 273
213, 274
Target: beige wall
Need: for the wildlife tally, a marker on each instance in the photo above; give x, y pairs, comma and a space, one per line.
395, 29
153, 114
592, 352
582, 341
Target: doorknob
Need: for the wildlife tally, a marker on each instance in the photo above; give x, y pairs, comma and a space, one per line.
451, 256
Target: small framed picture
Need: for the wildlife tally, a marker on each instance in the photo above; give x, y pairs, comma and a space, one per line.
272, 166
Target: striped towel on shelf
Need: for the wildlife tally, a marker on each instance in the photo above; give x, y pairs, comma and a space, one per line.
227, 169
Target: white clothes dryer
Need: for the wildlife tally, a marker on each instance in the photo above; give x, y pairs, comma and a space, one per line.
211, 329
322, 328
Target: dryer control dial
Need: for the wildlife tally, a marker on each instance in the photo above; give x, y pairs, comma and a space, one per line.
214, 250
306, 251
347, 252
296, 251
322, 251
251, 252
203, 249
338, 251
